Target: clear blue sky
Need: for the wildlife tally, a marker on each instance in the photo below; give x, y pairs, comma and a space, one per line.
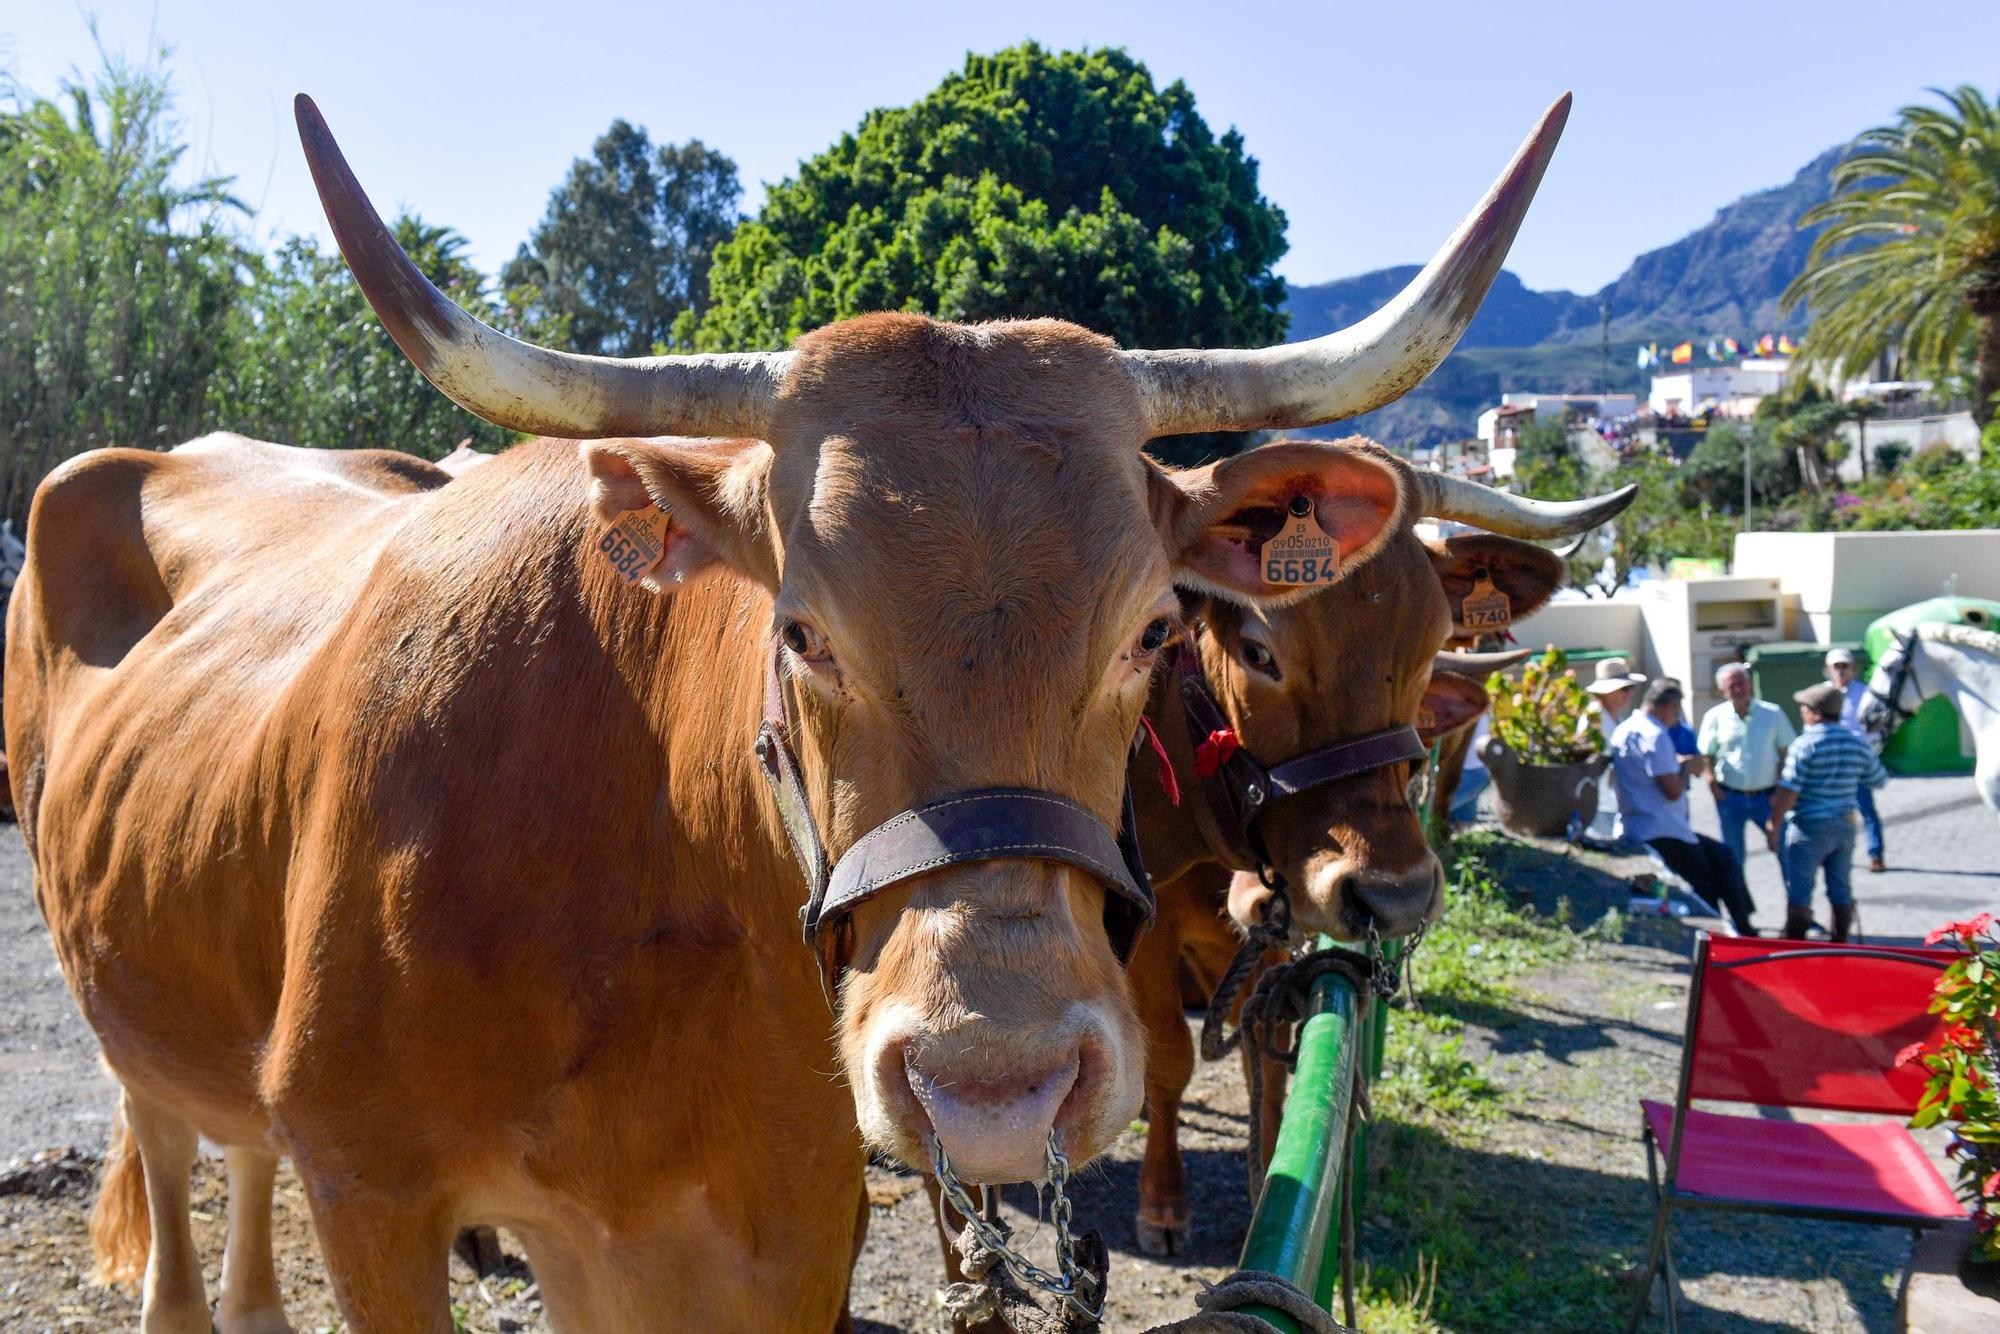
1376, 124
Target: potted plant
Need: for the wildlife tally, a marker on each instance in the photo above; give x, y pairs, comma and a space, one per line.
1546, 751
1964, 1065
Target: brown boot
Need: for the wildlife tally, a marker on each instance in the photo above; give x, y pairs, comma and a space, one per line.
1843, 922
1797, 922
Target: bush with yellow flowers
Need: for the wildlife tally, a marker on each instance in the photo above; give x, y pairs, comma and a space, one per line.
1546, 717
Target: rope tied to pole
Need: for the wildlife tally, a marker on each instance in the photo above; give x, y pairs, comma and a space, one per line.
1221, 1307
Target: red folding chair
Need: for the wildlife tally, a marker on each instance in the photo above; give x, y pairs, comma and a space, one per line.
1793, 1023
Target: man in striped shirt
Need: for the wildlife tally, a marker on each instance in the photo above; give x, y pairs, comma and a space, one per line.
1815, 802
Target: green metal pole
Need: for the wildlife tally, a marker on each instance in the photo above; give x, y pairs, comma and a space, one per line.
1296, 1229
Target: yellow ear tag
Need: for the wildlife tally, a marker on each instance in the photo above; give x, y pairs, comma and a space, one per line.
635, 543
1302, 553
1485, 607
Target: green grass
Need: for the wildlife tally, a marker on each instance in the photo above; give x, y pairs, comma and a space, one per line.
1464, 1218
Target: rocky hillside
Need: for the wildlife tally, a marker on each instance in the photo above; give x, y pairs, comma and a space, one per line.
1723, 278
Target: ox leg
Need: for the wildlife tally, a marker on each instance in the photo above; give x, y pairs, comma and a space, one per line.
250, 1302
388, 1257
1164, 1225
175, 1300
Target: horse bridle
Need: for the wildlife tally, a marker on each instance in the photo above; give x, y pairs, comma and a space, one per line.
1905, 671
1240, 789
980, 824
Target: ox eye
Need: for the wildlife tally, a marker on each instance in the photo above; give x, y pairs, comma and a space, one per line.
1156, 634
1259, 658
804, 641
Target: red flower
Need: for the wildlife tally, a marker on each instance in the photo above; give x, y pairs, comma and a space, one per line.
1991, 1186
1212, 754
1961, 1037
1909, 1053
1965, 930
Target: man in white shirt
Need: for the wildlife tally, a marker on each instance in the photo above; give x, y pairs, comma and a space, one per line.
1652, 800
1841, 675
1745, 740
1612, 684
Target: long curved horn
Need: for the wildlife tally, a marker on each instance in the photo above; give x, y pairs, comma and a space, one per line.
1365, 365
1570, 548
1477, 665
1442, 496
516, 384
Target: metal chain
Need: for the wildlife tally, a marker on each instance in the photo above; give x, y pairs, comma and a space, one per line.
997, 1237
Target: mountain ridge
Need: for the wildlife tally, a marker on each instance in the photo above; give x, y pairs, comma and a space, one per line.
1723, 278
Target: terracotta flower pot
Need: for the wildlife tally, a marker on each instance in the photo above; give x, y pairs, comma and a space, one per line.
1539, 799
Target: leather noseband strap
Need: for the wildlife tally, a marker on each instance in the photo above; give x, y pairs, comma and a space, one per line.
983, 824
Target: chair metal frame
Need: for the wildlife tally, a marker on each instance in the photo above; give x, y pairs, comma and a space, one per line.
1659, 1253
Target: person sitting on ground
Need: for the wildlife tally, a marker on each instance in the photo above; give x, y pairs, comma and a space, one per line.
1745, 741
1612, 688
1853, 694
1652, 800
1816, 801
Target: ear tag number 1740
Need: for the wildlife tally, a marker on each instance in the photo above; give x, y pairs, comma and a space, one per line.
1302, 554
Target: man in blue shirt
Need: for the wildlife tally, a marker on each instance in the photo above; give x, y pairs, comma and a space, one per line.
1652, 776
1745, 741
1854, 693
1816, 802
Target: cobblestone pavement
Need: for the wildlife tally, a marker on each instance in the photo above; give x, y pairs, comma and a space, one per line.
1943, 847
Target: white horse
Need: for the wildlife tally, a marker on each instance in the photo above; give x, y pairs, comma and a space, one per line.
1960, 662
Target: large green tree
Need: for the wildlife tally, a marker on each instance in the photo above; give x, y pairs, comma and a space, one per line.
117, 280
625, 245
1909, 258
1029, 183
313, 366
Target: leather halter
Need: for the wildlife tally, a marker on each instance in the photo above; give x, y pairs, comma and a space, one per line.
1241, 789
981, 824
1905, 670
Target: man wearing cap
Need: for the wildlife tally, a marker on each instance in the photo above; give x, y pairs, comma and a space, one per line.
1816, 802
1745, 741
1612, 688
1652, 798
1853, 694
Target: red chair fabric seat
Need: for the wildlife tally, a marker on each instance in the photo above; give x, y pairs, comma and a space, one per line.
1873, 1167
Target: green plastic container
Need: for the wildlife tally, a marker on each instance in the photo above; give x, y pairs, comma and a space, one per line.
1779, 670
1933, 742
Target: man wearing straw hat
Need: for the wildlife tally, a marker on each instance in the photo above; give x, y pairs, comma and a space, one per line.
1612, 688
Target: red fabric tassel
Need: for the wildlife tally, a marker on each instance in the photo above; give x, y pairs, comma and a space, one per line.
1212, 754
1168, 780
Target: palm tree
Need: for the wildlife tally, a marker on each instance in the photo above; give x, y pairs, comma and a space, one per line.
1909, 261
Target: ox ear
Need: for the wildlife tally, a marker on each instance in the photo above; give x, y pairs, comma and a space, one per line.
1525, 573
1450, 701
1217, 519
711, 491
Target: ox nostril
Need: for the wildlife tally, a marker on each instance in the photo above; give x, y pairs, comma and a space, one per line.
1395, 904
993, 1129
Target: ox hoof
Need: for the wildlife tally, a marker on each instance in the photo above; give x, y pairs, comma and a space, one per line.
1164, 1238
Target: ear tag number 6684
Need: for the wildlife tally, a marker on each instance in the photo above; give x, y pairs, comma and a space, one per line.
1302, 554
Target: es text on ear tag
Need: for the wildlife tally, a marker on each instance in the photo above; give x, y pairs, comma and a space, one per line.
1485, 607
1302, 553
635, 543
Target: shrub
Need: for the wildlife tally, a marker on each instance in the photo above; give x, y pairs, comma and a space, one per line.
1548, 718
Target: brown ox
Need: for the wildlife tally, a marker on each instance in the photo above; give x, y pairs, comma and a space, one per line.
1358, 658
387, 828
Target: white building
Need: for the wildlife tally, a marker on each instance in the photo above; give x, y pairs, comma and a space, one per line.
1552, 405
1732, 391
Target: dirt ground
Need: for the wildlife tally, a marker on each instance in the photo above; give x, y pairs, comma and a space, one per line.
1546, 1194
